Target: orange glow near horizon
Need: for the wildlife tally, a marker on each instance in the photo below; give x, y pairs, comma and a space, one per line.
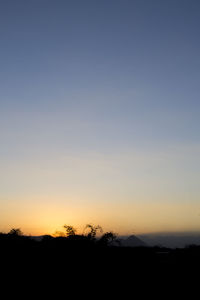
99, 116
120, 218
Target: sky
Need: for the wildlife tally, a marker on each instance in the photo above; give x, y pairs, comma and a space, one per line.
99, 115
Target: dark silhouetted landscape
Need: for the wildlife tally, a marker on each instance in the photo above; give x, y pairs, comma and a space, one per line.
95, 251
95, 262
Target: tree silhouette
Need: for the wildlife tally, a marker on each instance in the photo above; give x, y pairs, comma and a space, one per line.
93, 231
15, 232
70, 230
107, 238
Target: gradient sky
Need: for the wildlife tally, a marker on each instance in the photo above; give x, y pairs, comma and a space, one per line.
99, 115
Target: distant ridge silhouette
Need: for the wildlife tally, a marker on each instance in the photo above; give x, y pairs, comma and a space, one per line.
132, 241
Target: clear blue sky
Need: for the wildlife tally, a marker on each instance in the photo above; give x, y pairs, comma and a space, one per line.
99, 114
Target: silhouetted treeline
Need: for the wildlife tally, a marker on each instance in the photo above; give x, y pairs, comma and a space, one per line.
87, 248
92, 260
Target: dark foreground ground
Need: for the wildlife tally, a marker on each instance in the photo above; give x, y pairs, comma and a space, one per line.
78, 264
